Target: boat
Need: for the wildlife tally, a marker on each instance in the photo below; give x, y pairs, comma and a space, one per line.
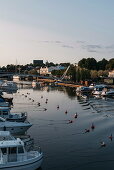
98, 89
9, 85
16, 128
92, 85
108, 92
4, 99
14, 156
83, 89
5, 104
28, 141
13, 117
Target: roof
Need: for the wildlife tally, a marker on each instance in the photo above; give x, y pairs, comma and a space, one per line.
11, 143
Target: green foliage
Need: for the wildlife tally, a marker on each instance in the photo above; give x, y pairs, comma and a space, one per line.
101, 65
110, 65
89, 63
57, 73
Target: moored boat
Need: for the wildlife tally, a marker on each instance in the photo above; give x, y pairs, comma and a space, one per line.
17, 117
108, 93
98, 89
13, 155
16, 128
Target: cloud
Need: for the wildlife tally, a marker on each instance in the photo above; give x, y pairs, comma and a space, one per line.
53, 42
67, 46
80, 42
92, 51
92, 47
109, 47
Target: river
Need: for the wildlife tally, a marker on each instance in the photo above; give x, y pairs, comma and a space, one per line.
64, 141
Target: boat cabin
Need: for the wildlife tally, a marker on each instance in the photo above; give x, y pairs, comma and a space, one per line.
4, 112
11, 150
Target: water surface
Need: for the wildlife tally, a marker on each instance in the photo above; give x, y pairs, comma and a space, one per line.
66, 146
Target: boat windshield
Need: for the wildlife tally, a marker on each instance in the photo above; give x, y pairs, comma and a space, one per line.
20, 149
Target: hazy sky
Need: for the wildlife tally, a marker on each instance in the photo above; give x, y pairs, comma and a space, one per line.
55, 30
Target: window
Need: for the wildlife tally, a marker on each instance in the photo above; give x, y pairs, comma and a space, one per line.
4, 150
12, 150
5, 113
20, 149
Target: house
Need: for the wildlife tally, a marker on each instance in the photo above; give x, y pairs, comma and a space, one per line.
48, 70
44, 71
111, 73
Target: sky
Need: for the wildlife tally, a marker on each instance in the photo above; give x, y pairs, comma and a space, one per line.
55, 30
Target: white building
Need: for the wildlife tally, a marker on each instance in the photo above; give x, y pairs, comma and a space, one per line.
48, 70
44, 71
111, 74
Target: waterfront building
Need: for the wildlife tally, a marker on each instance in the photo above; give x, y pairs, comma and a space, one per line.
111, 73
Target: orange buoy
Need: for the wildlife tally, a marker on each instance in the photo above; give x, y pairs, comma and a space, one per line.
110, 137
92, 126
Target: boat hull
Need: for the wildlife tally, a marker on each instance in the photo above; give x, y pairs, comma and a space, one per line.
26, 165
16, 130
17, 120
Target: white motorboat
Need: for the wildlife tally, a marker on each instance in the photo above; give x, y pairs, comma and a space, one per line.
9, 85
108, 92
16, 128
6, 114
92, 86
13, 155
98, 89
4, 104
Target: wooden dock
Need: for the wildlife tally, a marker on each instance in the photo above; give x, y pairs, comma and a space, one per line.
68, 85
59, 83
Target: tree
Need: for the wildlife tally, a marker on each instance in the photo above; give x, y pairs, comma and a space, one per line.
94, 74
110, 65
101, 65
89, 63
82, 63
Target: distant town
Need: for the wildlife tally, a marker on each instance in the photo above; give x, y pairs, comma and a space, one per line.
87, 69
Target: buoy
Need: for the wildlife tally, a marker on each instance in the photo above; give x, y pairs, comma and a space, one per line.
66, 112
76, 115
70, 121
92, 126
45, 109
33, 100
103, 144
87, 130
58, 107
110, 137
41, 97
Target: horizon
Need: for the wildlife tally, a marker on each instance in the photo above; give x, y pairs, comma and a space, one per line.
57, 31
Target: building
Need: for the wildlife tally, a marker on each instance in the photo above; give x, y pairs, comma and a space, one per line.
44, 71
38, 62
111, 74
